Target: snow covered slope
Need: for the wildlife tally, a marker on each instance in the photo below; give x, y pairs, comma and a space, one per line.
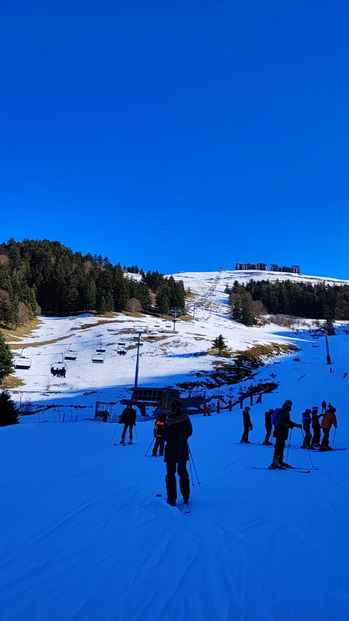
167, 357
84, 537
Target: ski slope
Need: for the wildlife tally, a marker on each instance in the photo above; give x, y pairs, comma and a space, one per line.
84, 537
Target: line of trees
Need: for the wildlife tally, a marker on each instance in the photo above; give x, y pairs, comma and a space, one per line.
44, 276
318, 301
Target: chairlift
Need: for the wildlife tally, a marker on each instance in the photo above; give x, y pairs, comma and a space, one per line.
100, 349
22, 362
70, 354
58, 369
98, 357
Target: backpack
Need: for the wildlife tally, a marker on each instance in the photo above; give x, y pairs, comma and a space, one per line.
275, 418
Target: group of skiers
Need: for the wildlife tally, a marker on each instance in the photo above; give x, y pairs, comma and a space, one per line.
176, 428
281, 421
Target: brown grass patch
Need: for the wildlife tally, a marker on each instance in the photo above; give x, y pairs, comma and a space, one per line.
38, 344
11, 381
21, 331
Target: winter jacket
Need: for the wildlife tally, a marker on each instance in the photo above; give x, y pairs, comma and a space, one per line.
247, 420
177, 430
315, 418
268, 424
285, 423
329, 419
158, 428
128, 416
306, 420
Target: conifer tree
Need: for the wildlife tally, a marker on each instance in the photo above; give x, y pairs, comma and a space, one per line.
8, 411
219, 343
6, 364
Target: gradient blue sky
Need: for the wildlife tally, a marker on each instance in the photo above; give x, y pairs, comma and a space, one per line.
181, 135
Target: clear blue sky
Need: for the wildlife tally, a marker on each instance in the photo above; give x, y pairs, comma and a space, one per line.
180, 135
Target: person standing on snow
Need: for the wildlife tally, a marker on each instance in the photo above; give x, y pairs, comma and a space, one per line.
315, 423
158, 431
306, 420
247, 425
284, 423
323, 405
177, 430
128, 417
268, 426
328, 419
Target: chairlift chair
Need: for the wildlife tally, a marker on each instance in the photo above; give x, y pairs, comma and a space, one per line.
22, 362
98, 357
100, 349
70, 355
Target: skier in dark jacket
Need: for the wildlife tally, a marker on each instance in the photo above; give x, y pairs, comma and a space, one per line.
128, 417
281, 435
176, 432
158, 435
268, 426
315, 423
247, 425
306, 420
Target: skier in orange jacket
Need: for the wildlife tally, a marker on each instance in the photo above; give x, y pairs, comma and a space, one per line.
328, 419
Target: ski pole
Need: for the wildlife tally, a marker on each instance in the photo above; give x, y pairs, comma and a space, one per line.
112, 440
191, 472
288, 447
334, 436
195, 470
149, 447
311, 461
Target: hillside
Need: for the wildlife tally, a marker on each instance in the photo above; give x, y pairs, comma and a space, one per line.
84, 535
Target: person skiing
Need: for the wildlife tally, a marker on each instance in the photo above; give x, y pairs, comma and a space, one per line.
247, 425
328, 419
306, 420
315, 423
284, 423
158, 430
268, 426
128, 418
177, 430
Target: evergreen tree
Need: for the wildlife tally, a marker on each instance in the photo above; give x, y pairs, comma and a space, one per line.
219, 343
8, 411
6, 364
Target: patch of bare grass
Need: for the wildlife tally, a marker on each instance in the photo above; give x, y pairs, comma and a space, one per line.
38, 344
11, 381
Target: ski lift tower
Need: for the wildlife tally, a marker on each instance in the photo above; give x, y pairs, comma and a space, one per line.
139, 344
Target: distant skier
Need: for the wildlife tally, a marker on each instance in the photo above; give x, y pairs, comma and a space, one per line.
315, 423
306, 420
328, 419
268, 426
158, 432
128, 418
323, 406
247, 425
177, 430
284, 423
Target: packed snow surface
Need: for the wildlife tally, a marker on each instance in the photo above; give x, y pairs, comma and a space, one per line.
84, 535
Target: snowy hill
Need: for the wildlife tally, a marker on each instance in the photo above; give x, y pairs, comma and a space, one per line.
84, 536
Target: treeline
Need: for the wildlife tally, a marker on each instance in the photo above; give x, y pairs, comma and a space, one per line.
47, 277
318, 301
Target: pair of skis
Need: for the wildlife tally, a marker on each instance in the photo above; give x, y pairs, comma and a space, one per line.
289, 469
